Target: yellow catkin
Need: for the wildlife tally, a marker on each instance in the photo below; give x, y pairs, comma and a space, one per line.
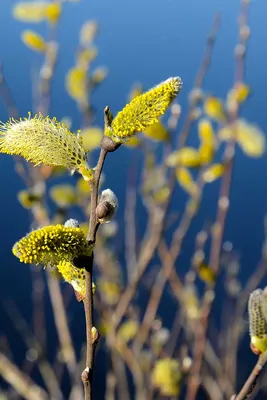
28, 199
205, 132
144, 110
206, 153
51, 244
214, 109
33, 40
213, 172
63, 195
206, 274
53, 12
110, 290
44, 141
128, 331
186, 181
76, 84
83, 187
37, 11
166, 376
133, 142
30, 11
242, 92
257, 312
186, 157
74, 276
249, 137
157, 132
161, 195
239, 93
91, 137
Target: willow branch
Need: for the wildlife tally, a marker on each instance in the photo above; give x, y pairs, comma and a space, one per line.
248, 387
88, 301
218, 229
151, 243
130, 222
46, 371
19, 381
63, 331
107, 146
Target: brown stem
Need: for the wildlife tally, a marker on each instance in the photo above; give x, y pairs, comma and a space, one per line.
249, 385
60, 317
88, 310
88, 301
107, 145
19, 381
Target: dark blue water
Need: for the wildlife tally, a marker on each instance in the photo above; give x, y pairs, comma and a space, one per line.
141, 41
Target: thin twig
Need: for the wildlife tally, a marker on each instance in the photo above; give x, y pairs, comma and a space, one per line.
248, 387
170, 258
19, 381
130, 222
110, 386
218, 229
46, 371
88, 301
63, 331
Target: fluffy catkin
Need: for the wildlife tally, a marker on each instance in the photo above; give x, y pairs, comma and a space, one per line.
144, 110
42, 140
51, 244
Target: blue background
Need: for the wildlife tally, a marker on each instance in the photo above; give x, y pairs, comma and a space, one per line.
141, 41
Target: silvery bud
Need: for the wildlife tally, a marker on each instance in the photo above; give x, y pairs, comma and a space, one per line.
107, 206
72, 223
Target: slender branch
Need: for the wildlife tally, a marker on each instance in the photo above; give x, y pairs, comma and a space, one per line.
93, 223
88, 301
248, 387
145, 257
218, 229
130, 360
46, 371
130, 222
110, 386
19, 381
163, 276
107, 145
63, 331
88, 309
